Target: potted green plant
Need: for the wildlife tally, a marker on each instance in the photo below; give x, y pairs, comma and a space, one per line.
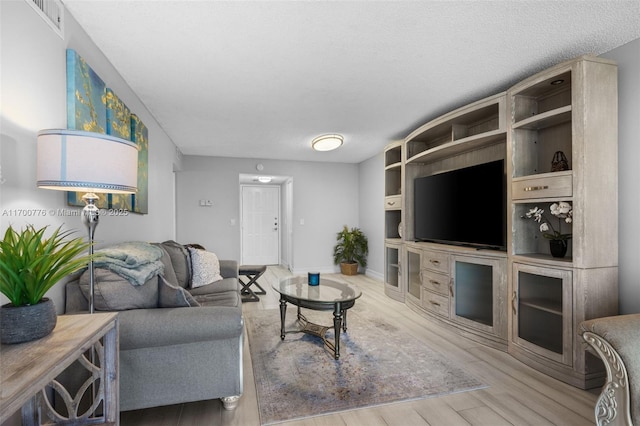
351, 250
30, 264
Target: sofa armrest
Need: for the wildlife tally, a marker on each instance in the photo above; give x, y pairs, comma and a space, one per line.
229, 268
148, 328
617, 341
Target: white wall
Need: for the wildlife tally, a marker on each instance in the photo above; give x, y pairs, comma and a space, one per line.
33, 96
325, 197
371, 217
628, 58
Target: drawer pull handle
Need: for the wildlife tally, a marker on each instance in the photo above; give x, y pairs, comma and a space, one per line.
434, 262
391, 203
535, 188
434, 282
434, 303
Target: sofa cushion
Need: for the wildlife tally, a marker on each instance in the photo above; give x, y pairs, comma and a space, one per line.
226, 298
205, 267
180, 261
221, 293
224, 285
113, 292
173, 296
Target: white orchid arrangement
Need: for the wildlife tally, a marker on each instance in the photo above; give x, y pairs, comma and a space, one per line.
562, 210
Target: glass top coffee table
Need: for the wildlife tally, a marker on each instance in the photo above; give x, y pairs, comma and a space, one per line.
329, 295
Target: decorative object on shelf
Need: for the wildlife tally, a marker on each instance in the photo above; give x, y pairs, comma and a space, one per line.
30, 265
351, 250
314, 278
400, 229
73, 160
558, 248
559, 162
558, 241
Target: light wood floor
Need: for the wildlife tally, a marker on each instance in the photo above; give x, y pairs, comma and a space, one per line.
517, 394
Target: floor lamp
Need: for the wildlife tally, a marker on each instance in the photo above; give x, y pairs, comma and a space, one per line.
73, 160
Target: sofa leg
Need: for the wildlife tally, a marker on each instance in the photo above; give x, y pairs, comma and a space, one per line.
230, 402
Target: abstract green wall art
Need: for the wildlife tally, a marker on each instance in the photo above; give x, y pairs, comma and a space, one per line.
140, 135
86, 96
119, 125
93, 107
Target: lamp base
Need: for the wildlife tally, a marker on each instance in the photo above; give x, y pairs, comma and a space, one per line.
90, 217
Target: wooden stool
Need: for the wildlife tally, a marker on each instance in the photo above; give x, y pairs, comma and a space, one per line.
252, 272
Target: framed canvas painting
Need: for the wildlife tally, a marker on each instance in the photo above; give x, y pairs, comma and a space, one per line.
140, 135
86, 108
93, 107
118, 125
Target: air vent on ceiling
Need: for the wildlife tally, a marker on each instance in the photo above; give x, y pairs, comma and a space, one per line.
52, 11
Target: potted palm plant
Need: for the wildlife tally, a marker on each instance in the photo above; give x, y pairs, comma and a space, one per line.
351, 250
30, 264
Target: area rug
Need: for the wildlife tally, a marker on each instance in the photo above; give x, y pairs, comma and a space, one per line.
379, 364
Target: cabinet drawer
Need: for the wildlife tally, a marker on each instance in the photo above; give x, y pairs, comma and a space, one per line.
393, 202
553, 185
435, 261
435, 281
435, 303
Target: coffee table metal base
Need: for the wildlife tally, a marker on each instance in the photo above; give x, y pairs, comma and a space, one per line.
339, 321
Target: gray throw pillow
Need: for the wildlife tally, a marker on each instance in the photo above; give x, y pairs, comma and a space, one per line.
115, 293
171, 296
169, 273
180, 261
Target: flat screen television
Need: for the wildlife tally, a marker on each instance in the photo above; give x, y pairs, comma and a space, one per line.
465, 206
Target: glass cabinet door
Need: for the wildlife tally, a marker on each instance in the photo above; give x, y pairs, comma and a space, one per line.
393, 271
414, 276
542, 311
477, 285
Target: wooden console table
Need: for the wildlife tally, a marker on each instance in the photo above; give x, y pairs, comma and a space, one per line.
27, 368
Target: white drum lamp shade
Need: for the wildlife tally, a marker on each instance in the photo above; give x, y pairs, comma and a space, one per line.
73, 160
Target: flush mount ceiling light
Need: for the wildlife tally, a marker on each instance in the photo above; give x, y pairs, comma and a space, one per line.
327, 142
264, 179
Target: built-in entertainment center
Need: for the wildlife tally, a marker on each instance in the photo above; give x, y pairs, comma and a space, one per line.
458, 246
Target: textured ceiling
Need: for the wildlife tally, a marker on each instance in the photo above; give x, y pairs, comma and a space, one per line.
261, 79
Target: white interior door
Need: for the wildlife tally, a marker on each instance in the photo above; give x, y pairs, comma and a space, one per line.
260, 237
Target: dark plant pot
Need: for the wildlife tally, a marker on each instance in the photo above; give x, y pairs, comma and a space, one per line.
349, 268
19, 324
558, 248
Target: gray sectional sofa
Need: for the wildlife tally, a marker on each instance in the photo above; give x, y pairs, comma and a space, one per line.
177, 344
